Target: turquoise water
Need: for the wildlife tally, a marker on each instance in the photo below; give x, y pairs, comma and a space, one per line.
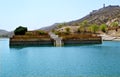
86, 60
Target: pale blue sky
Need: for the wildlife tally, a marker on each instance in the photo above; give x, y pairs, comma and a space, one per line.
35, 14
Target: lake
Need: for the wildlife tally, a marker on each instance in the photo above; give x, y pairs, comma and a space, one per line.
69, 61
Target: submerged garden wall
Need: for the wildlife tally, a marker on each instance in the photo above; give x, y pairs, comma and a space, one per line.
72, 39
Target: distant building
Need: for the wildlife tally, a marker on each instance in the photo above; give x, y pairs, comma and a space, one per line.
113, 6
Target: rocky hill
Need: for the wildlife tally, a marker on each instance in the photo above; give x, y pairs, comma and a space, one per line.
104, 15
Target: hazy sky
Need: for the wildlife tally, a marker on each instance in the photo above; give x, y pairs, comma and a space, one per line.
35, 14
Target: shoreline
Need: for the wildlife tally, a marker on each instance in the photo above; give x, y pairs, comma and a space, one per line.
106, 37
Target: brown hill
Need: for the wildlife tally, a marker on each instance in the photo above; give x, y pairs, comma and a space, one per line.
103, 15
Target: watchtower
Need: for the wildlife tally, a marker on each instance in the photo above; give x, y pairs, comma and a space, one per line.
103, 5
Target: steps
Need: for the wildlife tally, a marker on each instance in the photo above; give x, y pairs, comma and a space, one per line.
57, 39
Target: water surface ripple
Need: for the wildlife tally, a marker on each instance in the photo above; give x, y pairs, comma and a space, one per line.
84, 60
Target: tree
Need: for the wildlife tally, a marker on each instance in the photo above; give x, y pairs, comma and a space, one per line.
103, 27
115, 24
67, 29
20, 30
94, 28
84, 24
80, 29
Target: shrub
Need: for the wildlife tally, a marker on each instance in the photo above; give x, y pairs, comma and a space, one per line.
103, 27
67, 29
114, 24
57, 32
20, 30
29, 33
53, 30
61, 25
76, 24
78, 30
41, 32
84, 24
94, 28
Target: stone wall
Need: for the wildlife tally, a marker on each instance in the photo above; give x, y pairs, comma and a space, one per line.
31, 43
47, 42
68, 42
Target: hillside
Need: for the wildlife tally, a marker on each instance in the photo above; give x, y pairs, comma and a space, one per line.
4, 33
104, 15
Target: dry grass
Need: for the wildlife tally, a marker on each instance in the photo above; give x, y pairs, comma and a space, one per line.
81, 37
31, 36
